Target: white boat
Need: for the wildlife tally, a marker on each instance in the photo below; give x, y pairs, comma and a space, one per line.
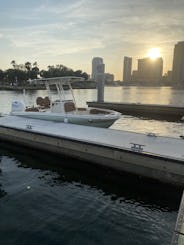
64, 110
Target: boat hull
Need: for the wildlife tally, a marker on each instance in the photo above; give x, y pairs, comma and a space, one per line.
103, 121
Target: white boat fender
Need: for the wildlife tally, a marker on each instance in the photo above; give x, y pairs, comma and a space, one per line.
65, 120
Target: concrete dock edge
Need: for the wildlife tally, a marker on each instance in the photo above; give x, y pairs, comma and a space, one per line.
159, 168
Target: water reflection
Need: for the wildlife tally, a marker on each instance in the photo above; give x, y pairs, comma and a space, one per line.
142, 125
2, 192
60, 171
177, 97
145, 95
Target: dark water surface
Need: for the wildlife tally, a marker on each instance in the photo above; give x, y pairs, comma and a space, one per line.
42, 201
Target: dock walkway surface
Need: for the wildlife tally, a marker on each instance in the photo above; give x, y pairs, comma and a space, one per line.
152, 156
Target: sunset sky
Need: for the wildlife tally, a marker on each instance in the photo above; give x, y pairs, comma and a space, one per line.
72, 32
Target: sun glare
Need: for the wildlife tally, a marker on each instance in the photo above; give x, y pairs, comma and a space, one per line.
154, 53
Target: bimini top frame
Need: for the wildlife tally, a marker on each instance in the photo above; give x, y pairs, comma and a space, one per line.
59, 83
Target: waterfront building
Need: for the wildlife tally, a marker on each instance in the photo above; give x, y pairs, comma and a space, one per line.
149, 70
169, 76
127, 69
134, 76
109, 78
178, 63
97, 67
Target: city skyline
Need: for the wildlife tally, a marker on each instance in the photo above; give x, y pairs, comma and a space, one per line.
178, 63
72, 33
151, 68
148, 70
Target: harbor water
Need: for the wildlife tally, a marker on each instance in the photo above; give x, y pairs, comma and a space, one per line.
49, 199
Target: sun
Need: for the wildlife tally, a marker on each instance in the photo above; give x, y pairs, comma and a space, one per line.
154, 53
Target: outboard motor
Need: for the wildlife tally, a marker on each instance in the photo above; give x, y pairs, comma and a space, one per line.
17, 106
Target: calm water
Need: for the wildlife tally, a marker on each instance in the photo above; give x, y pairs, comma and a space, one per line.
46, 199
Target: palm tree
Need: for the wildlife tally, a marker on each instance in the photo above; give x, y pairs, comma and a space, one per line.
28, 65
35, 64
13, 63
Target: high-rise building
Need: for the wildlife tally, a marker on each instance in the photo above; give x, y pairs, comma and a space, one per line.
97, 66
178, 63
109, 78
127, 69
150, 70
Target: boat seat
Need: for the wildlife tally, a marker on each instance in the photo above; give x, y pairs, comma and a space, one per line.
46, 102
43, 102
96, 111
32, 109
81, 109
69, 106
39, 101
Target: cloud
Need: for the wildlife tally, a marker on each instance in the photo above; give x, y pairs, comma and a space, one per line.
44, 41
109, 28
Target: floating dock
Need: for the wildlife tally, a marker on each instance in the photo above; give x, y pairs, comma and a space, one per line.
178, 237
151, 156
163, 112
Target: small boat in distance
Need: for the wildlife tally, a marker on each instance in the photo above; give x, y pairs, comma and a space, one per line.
61, 109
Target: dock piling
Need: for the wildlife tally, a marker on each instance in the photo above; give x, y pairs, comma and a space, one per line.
100, 83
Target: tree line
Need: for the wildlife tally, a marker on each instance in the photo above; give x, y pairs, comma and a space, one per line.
19, 74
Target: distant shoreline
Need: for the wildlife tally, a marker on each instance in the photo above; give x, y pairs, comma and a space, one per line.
40, 87
83, 86
153, 84
9, 87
